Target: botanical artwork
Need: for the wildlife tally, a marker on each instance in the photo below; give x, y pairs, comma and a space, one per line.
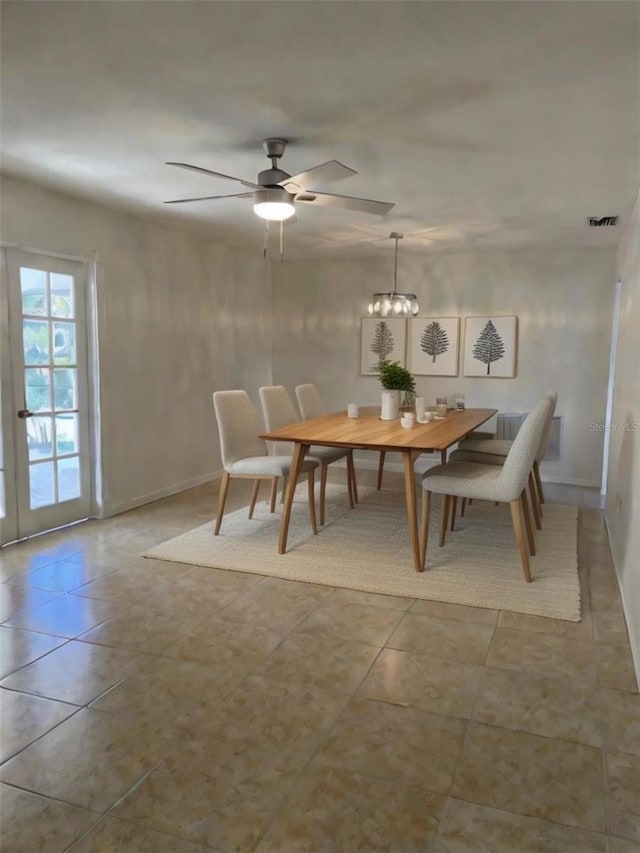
433, 346
490, 347
382, 339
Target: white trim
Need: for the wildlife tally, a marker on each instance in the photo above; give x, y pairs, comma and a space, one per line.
94, 280
615, 325
634, 641
8, 520
427, 461
64, 257
571, 481
110, 509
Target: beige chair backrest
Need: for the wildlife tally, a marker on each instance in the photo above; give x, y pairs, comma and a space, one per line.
238, 427
518, 464
310, 402
278, 411
552, 397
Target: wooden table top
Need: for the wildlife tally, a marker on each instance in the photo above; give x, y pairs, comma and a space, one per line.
369, 432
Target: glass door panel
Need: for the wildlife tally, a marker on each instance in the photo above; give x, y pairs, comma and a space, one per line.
47, 326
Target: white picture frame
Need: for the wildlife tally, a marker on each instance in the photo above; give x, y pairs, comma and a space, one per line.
433, 346
382, 338
490, 344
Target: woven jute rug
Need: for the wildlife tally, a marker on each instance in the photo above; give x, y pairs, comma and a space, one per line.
368, 549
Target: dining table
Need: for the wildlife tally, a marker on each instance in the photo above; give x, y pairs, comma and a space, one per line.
369, 432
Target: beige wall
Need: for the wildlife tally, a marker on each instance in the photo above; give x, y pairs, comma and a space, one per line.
179, 317
563, 301
623, 494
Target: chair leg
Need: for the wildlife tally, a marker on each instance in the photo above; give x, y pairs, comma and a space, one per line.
426, 501
454, 507
323, 490
254, 497
351, 480
312, 503
222, 497
517, 529
444, 517
274, 494
380, 469
463, 506
527, 523
534, 502
536, 474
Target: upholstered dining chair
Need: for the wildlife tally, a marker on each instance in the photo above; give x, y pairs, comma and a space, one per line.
494, 451
311, 405
278, 411
502, 484
245, 456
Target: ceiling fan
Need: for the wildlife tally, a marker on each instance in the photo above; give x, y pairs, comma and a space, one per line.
276, 193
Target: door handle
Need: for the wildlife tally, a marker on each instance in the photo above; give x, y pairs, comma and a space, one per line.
25, 413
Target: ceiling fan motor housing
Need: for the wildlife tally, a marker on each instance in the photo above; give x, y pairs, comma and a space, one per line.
272, 177
273, 194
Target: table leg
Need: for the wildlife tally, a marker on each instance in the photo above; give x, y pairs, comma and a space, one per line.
409, 458
443, 457
299, 451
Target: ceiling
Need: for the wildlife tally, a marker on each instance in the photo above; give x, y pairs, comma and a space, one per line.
489, 124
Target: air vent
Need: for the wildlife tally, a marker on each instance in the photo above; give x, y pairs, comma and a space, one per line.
602, 221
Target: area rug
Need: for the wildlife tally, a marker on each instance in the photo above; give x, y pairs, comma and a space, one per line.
368, 549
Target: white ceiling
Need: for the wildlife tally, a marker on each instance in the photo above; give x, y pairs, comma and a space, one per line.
489, 124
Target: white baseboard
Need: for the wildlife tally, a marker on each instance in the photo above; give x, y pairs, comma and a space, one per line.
571, 481
367, 463
634, 641
165, 492
425, 462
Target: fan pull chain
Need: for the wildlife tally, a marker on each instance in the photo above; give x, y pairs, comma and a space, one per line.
281, 241
266, 237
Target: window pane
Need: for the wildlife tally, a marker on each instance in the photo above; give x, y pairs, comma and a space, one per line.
37, 386
33, 284
68, 479
65, 383
41, 490
64, 343
39, 438
66, 434
35, 335
62, 295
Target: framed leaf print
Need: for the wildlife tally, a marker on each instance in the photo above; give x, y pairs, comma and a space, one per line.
381, 338
490, 347
433, 346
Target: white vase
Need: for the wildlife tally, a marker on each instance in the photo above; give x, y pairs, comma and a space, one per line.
390, 405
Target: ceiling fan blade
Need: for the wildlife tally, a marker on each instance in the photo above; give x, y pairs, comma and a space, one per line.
332, 170
364, 205
207, 198
214, 174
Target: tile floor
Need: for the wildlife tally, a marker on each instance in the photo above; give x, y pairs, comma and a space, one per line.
149, 706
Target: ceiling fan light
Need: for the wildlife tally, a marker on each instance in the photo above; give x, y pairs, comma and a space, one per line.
274, 204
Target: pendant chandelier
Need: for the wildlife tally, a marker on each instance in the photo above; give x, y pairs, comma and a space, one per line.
394, 304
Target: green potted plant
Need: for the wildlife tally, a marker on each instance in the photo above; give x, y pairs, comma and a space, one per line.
395, 380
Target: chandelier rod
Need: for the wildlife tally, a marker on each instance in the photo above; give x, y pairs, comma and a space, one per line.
395, 236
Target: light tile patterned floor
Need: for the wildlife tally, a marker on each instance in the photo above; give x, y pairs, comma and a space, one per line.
148, 706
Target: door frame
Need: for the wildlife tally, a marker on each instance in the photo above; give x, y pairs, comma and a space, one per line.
92, 274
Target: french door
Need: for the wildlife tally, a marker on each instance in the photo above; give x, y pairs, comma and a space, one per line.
46, 407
